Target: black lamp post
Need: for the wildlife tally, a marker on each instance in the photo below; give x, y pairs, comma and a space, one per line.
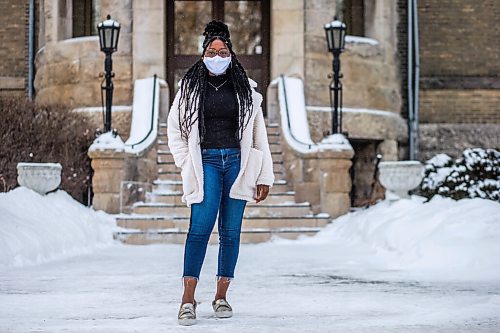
109, 30
335, 38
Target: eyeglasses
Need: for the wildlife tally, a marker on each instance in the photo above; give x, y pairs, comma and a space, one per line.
223, 53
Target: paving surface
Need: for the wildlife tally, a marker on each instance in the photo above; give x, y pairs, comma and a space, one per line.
277, 288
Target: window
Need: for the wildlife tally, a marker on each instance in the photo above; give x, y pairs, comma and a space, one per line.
85, 15
354, 17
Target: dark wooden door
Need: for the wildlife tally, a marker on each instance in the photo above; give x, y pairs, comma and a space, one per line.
249, 25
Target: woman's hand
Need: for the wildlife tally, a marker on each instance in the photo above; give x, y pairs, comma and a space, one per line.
262, 192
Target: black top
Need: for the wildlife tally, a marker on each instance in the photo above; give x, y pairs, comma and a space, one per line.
221, 113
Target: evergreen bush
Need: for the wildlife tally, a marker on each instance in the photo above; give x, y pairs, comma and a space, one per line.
475, 174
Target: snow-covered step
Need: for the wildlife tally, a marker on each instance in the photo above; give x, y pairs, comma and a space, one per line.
165, 173
272, 129
168, 167
279, 186
162, 175
274, 138
290, 209
164, 156
175, 197
276, 149
153, 223
139, 237
162, 145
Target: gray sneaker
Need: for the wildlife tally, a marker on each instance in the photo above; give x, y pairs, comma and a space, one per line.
222, 308
187, 314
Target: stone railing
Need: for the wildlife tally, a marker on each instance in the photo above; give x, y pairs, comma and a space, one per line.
116, 163
317, 172
112, 167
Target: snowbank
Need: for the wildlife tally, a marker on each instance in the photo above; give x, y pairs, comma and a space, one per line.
442, 238
36, 228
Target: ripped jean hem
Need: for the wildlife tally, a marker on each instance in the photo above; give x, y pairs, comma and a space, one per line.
189, 276
218, 277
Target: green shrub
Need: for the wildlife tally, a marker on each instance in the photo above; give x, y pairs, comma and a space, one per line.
37, 133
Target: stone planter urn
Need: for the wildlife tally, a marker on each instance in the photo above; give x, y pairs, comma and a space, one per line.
399, 177
40, 177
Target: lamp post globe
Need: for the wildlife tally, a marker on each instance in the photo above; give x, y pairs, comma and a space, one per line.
335, 32
335, 35
109, 31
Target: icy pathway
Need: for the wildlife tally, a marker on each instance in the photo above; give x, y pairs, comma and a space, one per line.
305, 287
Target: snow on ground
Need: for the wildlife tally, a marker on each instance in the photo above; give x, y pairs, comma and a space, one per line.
399, 267
36, 228
439, 239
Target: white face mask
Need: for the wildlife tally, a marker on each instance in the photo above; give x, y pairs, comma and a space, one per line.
217, 64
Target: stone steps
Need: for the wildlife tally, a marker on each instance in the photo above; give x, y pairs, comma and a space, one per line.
181, 223
164, 218
176, 185
175, 197
138, 237
164, 156
162, 145
251, 209
177, 176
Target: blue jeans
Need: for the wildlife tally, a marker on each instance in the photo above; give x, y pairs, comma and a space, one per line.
220, 168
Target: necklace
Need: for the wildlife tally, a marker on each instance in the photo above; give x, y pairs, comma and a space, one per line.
217, 87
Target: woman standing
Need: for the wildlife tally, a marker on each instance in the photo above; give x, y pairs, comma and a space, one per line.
217, 135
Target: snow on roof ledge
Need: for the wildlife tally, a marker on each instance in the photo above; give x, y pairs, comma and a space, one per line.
114, 108
360, 40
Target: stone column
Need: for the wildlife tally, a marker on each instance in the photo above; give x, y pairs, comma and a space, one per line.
323, 179
148, 38
109, 171
335, 181
305, 181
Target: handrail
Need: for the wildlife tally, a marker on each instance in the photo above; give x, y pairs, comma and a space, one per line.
282, 77
152, 116
296, 139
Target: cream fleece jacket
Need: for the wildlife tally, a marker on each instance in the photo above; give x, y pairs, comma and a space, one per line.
256, 162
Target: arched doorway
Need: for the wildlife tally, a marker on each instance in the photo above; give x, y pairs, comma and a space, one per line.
248, 22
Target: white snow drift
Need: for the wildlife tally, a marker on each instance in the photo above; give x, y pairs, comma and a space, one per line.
36, 228
440, 239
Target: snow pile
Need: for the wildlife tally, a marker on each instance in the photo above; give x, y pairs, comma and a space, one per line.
337, 138
36, 228
442, 238
108, 141
476, 174
360, 40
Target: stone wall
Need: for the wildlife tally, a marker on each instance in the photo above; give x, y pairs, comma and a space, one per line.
14, 50
475, 106
67, 70
148, 45
371, 77
287, 38
458, 37
452, 139
460, 61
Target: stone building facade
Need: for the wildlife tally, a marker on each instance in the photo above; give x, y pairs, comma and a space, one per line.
460, 69
459, 98
13, 50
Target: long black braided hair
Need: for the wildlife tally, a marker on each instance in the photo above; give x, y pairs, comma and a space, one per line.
194, 86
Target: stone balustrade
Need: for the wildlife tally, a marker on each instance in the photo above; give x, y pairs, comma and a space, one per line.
112, 166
